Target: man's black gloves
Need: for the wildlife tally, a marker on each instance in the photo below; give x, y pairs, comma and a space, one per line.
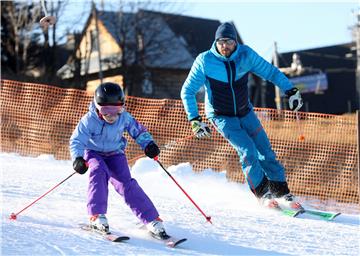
295, 100
80, 165
152, 150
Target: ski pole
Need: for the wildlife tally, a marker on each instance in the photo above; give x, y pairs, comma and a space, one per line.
13, 216
166, 146
208, 218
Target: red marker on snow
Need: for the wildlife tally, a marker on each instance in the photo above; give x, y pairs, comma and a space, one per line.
208, 218
12, 216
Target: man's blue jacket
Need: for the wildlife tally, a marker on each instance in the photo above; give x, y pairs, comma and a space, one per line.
225, 80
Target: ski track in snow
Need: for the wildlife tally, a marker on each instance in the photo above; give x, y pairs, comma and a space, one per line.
240, 226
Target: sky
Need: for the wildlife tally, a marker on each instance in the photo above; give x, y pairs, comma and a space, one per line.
240, 226
294, 25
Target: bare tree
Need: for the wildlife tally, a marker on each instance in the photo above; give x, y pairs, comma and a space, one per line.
55, 9
21, 19
143, 38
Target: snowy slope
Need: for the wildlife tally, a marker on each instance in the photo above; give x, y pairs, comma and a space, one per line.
240, 227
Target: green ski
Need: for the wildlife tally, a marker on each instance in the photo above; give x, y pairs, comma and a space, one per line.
322, 214
290, 212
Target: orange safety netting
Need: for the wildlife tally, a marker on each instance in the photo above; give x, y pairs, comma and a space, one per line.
319, 151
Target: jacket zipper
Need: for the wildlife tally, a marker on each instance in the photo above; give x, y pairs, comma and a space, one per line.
231, 86
102, 130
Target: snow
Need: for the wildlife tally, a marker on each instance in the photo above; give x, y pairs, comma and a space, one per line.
240, 226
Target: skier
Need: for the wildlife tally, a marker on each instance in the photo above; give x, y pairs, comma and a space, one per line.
97, 144
223, 70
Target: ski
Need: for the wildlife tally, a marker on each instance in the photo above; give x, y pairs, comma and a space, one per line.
285, 211
322, 214
291, 212
106, 235
296, 212
169, 241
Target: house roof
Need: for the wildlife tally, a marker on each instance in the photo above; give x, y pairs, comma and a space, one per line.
162, 48
199, 33
170, 41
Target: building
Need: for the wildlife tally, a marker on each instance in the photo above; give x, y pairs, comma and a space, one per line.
326, 77
148, 53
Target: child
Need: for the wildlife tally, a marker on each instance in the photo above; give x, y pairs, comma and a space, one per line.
97, 144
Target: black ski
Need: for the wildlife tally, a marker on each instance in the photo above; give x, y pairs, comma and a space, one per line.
168, 240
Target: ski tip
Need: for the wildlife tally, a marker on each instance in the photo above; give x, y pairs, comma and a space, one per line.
173, 244
121, 239
334, 215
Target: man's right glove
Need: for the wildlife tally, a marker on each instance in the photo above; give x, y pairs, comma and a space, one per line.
80, 165
199, 128
295, 100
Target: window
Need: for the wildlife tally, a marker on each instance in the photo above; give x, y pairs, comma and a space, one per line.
94, 41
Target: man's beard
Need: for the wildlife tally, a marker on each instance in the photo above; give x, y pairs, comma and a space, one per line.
226, 52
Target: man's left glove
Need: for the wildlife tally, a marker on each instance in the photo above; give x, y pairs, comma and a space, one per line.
80, 165
199, 128
295, 100
152, 150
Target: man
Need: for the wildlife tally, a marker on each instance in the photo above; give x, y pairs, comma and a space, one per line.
223, 70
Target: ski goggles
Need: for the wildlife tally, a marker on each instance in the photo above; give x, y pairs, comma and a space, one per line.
110, 110
227, 41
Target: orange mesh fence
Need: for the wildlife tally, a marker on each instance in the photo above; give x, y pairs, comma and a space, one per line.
319, 151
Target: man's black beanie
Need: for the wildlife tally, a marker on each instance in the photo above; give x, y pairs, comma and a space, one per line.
225, 30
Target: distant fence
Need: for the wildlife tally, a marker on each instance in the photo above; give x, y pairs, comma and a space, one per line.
318, 151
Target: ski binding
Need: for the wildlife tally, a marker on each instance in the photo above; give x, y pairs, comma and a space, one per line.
106, 235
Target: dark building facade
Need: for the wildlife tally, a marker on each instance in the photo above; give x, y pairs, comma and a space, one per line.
338, 64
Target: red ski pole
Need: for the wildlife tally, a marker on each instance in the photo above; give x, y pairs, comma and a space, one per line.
13, 216
171, 143
208, 218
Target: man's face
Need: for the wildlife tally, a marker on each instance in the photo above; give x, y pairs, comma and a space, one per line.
225, 46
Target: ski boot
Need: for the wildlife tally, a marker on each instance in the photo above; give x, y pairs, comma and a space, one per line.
157, 230
268, 201
288, 201
99, 223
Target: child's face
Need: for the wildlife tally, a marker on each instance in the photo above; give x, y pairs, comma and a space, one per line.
111, 113
109, 118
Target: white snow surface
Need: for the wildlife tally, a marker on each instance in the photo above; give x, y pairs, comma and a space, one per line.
240, 226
